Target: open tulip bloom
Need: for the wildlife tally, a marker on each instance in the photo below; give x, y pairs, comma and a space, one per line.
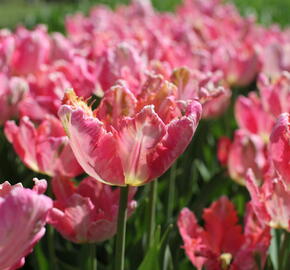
87, 213
44, 148
23, 216
129, 140
221, 244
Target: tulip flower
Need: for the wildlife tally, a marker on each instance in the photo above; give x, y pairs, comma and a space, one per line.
46, 89
128, 141
7, 46
86, 213
275, 94
271, 200
23, 216
209, 88
252, 117
279, 148
122, 62
222, 244
246, 151
31, 50
45, 148
12, 92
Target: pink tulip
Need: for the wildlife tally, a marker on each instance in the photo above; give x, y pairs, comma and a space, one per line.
279, 149
12, 92
275, 94
209, 88
243, 66
271, 201
221, 244
252, 117
7, 46
247, 151
123, 62
31, 51
23, 216
61, 48
145, 140
46, 89
81, 74
88, 212
43, 149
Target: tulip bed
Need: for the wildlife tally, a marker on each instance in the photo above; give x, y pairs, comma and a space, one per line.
140, 139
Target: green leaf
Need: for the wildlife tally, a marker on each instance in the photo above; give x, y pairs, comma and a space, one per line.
167, 260
40, 259
151, 259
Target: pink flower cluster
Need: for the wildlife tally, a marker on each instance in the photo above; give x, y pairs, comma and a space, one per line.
256, 144
153, 76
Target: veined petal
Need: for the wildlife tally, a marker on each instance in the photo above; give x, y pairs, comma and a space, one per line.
23, 215
192, 235
23, 139
136, 139
178, 136
94, 147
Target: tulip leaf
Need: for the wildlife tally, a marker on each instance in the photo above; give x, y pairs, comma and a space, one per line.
167, 260
151, 260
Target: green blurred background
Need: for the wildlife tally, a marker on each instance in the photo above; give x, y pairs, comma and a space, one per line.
31, 12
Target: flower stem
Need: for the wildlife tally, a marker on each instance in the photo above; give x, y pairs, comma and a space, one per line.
92, 257
171, 189
121, 229
283, 256
152, 211
51, 251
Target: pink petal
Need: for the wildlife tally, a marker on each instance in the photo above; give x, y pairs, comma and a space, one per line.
136, 139
179, 133
94, 147
280, 146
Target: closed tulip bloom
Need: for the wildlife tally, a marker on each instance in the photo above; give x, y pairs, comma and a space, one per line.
222, 243
23, 216
45, 148
279, 149
88, 212
129, 141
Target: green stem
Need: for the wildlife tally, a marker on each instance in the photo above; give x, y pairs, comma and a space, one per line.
51, 250
92, 257
283, 256
152, 211
121, 229
171, 190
